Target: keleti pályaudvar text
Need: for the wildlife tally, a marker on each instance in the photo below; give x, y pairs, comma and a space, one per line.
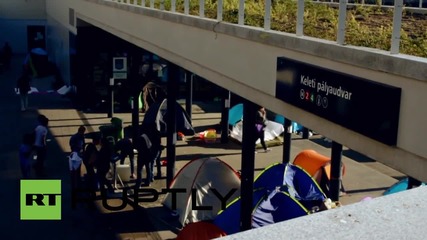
322, 86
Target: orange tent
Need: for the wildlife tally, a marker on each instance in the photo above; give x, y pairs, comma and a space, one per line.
312, 161
200, 231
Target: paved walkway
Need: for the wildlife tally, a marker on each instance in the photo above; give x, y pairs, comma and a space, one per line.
364, 176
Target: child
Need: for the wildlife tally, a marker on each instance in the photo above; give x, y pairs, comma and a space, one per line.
25, 155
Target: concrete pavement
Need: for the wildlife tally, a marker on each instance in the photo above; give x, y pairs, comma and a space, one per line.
364, 177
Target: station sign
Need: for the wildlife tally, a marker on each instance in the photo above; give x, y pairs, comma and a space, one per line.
362, 105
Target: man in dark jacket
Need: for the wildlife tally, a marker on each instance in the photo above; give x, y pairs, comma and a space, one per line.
149, 148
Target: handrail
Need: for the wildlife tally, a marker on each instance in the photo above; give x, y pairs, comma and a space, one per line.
343, 5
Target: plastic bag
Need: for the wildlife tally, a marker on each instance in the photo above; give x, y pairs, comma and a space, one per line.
74, 161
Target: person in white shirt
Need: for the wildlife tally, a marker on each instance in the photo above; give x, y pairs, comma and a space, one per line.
40, 143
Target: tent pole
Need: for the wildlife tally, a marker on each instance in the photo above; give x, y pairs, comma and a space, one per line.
335, 171
287, 141
248, 163
224, 115
189, 99
172, 86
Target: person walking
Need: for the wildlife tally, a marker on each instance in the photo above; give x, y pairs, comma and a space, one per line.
23, 87
40, 133
260, 124
25, 151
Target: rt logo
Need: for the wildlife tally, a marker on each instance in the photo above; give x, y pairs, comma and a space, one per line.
40, 199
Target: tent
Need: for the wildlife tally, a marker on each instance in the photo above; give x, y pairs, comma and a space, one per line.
300, 185
235, 114
269, 206
229, 218
281, 192
311, 161
278, 207
200, 231
235, 119
208, 177
296, 128
400, 186
316, 165
157, 113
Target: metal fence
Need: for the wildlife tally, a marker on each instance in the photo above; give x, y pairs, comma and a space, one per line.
396, 6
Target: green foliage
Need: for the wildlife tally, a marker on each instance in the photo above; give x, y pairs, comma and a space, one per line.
367, 26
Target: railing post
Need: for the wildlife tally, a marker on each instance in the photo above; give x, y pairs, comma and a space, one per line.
241, 12
186, 7
300, 18
202, 8
173, 5
267, 15
397, 25
151, 3
162, 5
342, 18
143, 3
219, 11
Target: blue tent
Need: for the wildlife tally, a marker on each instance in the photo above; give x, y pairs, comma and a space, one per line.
300, 185
295, 126
400, 186
235, 114
229, 218
282, 192
278, 207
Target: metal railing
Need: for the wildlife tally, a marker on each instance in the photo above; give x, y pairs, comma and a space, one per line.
343, 6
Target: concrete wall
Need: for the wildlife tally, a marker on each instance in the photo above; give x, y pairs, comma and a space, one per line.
15, 16
58, 47
16, 33
243, 59
23, 9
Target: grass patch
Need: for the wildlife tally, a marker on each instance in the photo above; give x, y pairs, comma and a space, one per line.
366, 26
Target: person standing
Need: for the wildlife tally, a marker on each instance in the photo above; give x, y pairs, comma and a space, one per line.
125, 147
77, 141
23, 86
25, 151
103, 163
260, 124
90, 158
149, 148
40, 143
